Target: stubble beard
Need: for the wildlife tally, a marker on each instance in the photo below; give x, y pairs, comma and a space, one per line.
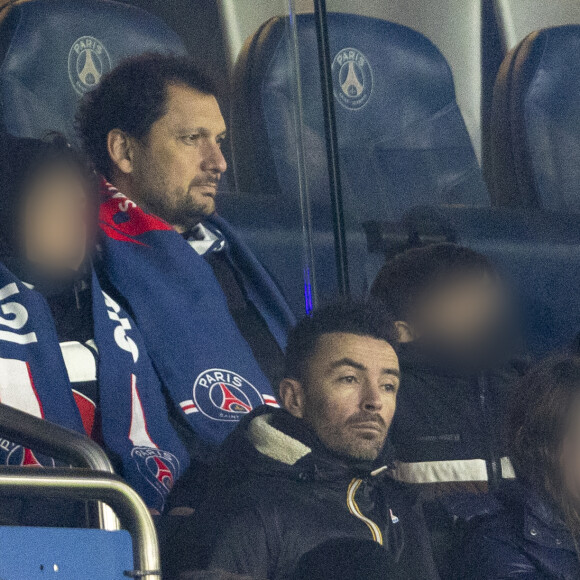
351, 445
184, 212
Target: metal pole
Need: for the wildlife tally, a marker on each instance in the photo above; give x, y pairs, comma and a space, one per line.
309, 272
340, 248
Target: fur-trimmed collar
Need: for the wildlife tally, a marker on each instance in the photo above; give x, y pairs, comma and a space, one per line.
275, 444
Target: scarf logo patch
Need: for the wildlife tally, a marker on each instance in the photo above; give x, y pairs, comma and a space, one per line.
222, 395
13, 454
159, 468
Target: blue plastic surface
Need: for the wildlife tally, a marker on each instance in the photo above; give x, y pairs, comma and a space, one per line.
64, 554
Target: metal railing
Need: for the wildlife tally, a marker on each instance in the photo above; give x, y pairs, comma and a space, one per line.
82, 484
99, 484
59, 443
52, 440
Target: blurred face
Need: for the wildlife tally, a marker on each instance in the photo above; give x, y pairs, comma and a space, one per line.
460, 313
176, 168
55, 231
570, 456
350, 390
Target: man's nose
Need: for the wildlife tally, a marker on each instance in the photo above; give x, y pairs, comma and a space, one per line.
213, 159
372, 397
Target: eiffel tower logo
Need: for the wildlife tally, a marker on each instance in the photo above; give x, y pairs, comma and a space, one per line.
351, 86
231, 403
88, 61
89, 75
352, 77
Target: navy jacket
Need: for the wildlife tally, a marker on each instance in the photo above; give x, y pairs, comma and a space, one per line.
279, 494
448, 423
526, 539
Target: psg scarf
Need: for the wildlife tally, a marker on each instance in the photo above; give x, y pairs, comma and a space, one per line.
34, 379
203, 360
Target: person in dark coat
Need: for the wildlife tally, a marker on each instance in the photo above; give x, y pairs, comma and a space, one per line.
536, 533
292, 479
453, 317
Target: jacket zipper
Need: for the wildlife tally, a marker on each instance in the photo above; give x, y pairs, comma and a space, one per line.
355, 510
494, 474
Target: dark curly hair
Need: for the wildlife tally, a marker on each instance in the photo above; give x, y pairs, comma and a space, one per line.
131, 98
363, 318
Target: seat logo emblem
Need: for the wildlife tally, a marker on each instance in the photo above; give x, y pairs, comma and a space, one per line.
88, 61
352, 78
223, 395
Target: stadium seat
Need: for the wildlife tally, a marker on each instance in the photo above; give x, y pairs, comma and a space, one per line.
53, 51
402, 140
536, 123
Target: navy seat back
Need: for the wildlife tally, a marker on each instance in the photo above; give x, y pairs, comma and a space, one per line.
536, 123
56, 50
402, 139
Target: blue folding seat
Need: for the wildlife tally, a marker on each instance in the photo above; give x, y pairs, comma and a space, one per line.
536, 123
402, 140
53, 51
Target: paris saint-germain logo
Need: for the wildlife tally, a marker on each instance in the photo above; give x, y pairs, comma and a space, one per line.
88, 61
352, 77
160, 468
14, 454
223, 395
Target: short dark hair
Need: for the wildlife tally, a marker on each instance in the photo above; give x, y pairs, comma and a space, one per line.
366, 318
536, 427
408, 276
131, 98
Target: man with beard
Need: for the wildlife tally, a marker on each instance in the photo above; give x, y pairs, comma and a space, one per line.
291, 480
214, 322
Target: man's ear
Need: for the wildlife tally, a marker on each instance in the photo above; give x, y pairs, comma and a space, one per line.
404, 331
292, 397
121, 150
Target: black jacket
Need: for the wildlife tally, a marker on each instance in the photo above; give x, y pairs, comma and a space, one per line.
279, 493
449, 419
526, 539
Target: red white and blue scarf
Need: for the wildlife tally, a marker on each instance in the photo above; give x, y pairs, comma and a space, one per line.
204, 362
33, 378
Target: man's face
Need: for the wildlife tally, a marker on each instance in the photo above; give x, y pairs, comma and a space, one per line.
350, 389
177, 167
